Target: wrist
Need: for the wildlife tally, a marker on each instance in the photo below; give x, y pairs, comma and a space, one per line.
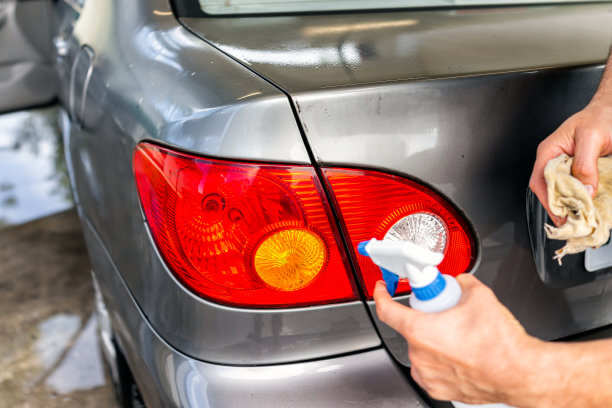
604, 91
602, 98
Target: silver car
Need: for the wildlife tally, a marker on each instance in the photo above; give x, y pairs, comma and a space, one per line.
227, 157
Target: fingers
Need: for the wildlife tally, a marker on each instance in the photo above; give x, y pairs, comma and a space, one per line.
470, 287
590, 145
537, 182
416, 376
468, 281
394, 314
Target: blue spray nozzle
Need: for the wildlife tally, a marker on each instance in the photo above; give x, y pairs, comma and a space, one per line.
361, 248
432, 292
391, 279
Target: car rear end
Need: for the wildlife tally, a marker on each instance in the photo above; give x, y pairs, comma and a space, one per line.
456, 100
240, 159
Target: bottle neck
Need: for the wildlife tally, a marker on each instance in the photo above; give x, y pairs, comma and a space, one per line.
431, 290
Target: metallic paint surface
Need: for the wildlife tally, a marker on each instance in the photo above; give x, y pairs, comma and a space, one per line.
457, 99
362, 102
27, 77
473, 139
211, 105
306, 52
162, 83
167, 377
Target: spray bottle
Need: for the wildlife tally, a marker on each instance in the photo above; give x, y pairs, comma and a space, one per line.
432, 291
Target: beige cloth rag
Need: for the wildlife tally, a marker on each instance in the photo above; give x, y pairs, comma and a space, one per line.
588, 219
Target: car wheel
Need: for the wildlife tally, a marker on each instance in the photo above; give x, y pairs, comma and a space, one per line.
126, 390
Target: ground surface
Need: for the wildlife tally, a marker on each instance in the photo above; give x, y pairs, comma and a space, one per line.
48, 344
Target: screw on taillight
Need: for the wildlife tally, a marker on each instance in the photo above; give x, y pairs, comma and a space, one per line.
239, 233
379, 205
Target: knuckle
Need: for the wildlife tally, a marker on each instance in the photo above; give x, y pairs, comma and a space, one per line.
415, 360
413, 372
416, 376
437, 392
593, 134
532, 184
434, 389
380, 310
590, 132
466, 277
581, 168
467, 280
542, 147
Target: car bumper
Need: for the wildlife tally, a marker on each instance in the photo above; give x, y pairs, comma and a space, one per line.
362, 380
167, 377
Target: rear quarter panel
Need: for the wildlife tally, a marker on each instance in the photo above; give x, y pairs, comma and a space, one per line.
151, 79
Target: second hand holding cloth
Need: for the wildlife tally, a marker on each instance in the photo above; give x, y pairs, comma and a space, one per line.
588, 220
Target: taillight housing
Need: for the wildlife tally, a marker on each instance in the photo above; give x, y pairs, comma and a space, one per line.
371, 203
240, 233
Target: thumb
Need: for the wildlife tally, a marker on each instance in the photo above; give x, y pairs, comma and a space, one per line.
589, 148
394, 314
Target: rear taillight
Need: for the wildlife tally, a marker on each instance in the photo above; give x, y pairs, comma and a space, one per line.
246, 234
379, 205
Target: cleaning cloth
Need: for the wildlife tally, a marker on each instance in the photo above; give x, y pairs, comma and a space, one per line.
588, 220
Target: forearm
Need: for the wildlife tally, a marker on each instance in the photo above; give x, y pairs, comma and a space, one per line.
604, 91
566, 375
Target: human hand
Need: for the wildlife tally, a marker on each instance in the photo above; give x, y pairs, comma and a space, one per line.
586, 135
475, 352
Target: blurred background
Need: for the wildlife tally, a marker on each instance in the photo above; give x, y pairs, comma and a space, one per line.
48, 344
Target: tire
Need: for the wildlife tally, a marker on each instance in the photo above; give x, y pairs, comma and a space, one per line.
126, 390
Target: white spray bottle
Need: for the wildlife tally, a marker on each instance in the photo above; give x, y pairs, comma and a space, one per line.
432, 291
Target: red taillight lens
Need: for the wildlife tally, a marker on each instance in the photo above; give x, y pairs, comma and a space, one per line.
371, 202
242, 233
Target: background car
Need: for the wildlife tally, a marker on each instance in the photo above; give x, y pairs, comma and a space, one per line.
227, 157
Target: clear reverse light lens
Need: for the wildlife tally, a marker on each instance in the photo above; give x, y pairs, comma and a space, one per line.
424, 229
371, 203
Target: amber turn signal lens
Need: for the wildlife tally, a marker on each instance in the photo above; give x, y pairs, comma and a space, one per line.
290, 259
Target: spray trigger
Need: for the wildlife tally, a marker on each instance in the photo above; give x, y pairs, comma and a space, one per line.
391, 280
431, 291
402, 259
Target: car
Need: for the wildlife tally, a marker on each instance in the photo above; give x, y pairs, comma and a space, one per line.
226, 159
